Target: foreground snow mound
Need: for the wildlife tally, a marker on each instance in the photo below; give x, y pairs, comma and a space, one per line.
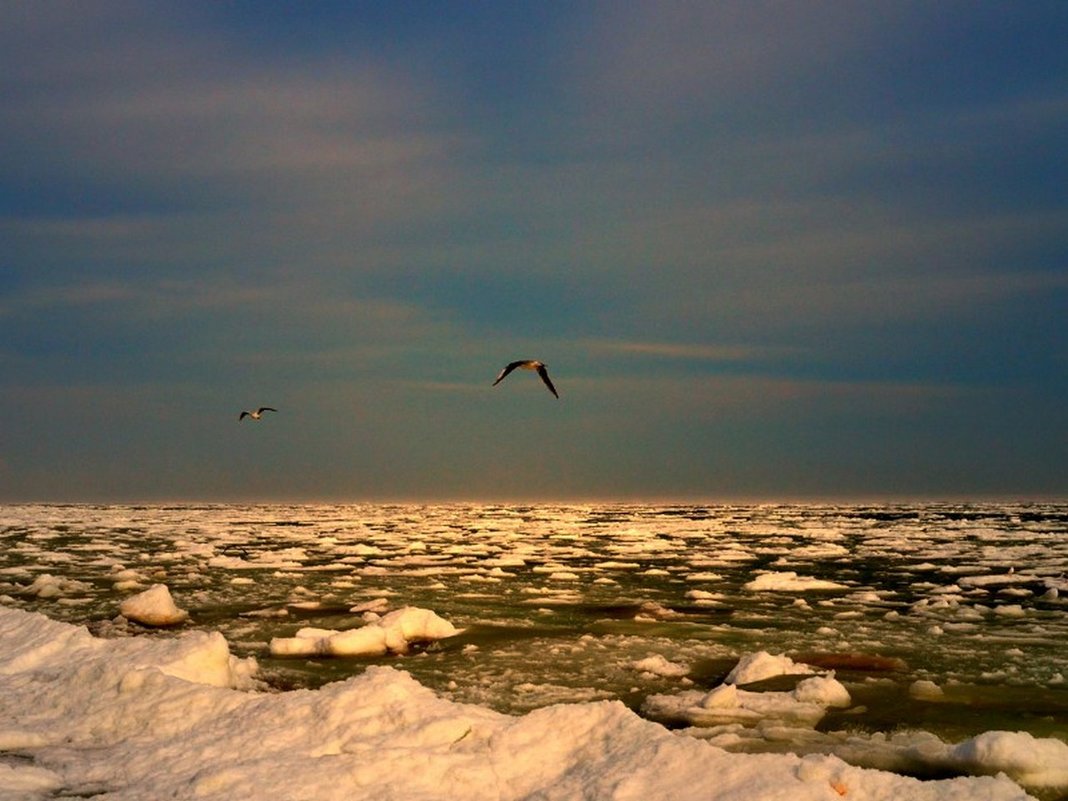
114, 720
394, 633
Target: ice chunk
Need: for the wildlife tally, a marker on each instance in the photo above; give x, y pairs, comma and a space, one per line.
789, 581
49, 586
1030, 760
925, 690
660, 666
153, 607
824, 690
393, 633
762, 665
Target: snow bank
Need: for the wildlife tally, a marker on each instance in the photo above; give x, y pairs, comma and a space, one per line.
393, 633
91, 717
153, 607
105, 718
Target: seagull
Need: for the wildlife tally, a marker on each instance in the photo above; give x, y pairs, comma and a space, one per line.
528, 364
256, 415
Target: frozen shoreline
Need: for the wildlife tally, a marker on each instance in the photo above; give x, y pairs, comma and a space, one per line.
178, 717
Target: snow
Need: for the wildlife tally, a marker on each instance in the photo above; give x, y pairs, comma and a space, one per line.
149, 717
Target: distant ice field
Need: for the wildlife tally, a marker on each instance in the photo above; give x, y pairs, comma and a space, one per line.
943, 619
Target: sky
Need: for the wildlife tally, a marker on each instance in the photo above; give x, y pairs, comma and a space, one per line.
768, 250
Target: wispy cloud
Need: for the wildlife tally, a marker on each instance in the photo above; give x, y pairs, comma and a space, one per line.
688, 351
648, 400
172, 107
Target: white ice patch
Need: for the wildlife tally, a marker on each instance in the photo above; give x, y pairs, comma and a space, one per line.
789, 581
705, 598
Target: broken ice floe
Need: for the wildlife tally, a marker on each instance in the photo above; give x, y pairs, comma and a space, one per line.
393, 633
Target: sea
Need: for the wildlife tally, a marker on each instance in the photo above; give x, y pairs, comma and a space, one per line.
949, 619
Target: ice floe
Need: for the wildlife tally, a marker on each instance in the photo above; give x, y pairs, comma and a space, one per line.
153, 607
763, 665
789, 581
394, 633
805, 705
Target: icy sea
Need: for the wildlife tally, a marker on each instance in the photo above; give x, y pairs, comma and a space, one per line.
940, 620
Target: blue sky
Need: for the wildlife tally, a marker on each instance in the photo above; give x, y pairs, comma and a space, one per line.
768, 250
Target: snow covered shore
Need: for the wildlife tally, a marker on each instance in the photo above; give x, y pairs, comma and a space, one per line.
147, 718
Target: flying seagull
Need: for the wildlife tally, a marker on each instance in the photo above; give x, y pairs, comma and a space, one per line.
528, 364
256, 415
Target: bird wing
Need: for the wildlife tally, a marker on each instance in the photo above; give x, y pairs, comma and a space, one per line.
243, 415
267, 409
507, 370
545, 377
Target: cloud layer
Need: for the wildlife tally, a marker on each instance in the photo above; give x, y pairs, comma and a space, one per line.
768, 250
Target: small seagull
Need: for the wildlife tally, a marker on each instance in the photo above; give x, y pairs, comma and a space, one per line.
528, 364
256, 415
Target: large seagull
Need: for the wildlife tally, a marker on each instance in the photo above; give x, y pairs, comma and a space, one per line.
528, 364
256, 415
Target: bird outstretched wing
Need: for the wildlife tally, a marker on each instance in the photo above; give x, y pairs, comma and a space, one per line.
507, 370
545, 377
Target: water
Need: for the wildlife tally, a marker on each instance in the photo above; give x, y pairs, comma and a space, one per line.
558, 602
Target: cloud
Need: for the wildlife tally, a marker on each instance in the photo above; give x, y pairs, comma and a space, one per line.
161, 104
712, 398
687, 351
649, 70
